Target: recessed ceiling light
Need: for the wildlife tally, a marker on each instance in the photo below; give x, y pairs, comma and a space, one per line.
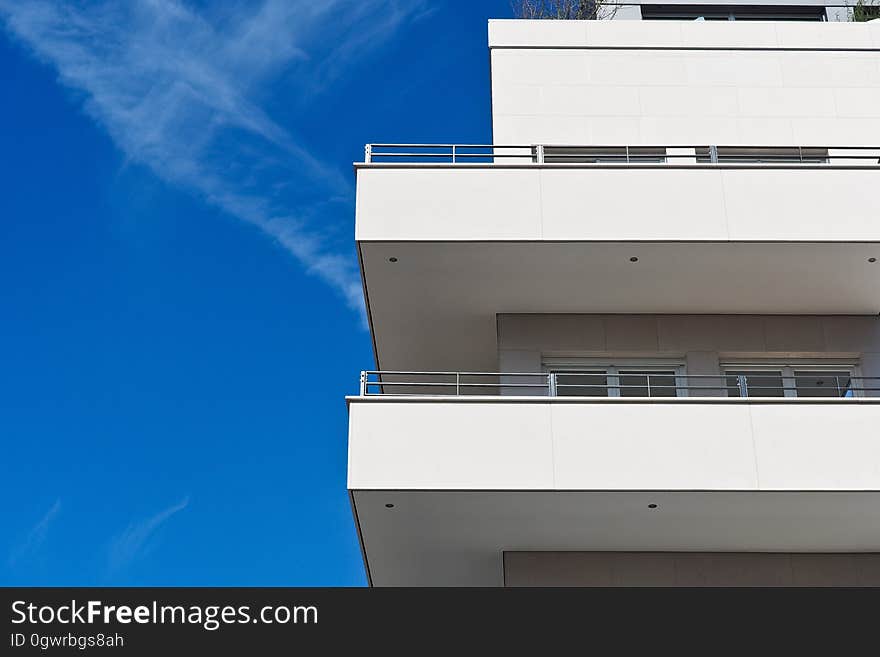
652, 506
633, 259
392, 259
872, 259
389, 506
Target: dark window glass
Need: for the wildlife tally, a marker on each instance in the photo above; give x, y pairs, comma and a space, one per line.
769, 154
634, 383
587, 383
823, 383
597, 154
759, 383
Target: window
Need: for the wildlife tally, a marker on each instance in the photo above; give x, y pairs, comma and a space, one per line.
790, 381
734, 12
831, 383
598, 154
636, 379
758, 155
585, 383
646, 383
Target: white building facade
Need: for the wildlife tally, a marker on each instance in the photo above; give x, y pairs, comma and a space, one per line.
634, 341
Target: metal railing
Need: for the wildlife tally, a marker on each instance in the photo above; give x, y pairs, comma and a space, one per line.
580, 155
774, 12
846, 12
637, 384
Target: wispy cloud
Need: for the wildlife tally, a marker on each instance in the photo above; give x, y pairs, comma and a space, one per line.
182, 91
35, 538
132, 543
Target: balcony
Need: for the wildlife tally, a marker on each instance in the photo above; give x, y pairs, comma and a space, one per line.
452, 469
457, 234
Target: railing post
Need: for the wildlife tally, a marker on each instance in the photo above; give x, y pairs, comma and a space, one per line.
627, 154
368, 153
363, 383
801, 154
648, 378
551, 384
539, 153
457, 384
453, 153
713, 154
743, 385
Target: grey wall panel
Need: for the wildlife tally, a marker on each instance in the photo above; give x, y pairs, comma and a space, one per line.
690, 569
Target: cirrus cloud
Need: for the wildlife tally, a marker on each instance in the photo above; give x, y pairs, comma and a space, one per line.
179, 91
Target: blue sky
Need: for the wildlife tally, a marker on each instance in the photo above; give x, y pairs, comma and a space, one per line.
181, 311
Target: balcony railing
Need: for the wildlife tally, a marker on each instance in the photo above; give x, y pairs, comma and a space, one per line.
638, 384
854, 11
582, 155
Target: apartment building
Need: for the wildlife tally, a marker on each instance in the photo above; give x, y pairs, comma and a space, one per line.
635, 340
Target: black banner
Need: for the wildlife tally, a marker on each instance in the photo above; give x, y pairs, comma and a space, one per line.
194, 621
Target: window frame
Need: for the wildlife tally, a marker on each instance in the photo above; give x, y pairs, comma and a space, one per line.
787, 369
605, 154
613, 367
762, 155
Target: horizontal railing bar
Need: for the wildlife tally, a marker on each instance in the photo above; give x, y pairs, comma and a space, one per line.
519, 146
635, 146
390, 372
449, 154
712, 376
624, 373
598, 159
831, 386
480, 384
429, 384
730, 387
660, 385
649, 3
657, 375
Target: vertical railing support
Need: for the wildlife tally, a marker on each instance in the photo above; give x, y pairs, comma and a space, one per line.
627, 154
368, 153
743, 385
551, 384
539, 153
713, 154
457, 384
648, 378
453, 153
363, 383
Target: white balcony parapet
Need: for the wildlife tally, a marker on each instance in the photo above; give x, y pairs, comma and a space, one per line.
442, 486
